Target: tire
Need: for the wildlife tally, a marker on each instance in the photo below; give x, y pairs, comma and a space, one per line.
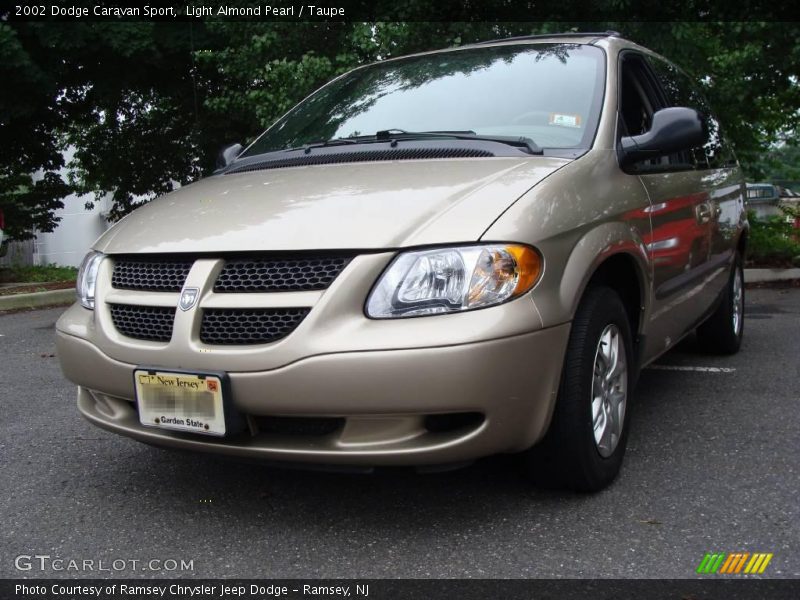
570, 456
722, 332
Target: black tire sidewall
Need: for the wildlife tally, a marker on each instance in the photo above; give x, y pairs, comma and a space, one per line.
717, 335
585, 469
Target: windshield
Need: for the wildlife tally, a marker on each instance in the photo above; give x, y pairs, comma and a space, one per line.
548, 93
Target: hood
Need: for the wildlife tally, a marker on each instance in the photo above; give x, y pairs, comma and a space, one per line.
344, 206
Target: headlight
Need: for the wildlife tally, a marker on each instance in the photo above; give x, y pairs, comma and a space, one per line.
87, 278
443, 280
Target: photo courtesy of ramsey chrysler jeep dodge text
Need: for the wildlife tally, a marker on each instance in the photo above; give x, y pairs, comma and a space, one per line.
429, 260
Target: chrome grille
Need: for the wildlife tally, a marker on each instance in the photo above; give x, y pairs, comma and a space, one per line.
286, 274
153, 275
152, 323
249, 325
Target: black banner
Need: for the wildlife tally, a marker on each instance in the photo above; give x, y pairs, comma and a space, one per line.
401, 10
717, 588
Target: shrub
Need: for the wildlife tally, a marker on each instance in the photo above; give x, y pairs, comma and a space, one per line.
773, 241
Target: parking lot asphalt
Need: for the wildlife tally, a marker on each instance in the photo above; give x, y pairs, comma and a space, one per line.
712, 465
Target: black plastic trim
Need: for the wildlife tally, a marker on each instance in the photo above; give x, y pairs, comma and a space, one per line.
376, 151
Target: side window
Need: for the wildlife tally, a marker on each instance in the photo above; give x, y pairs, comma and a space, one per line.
682, 91
637, 102
639, 98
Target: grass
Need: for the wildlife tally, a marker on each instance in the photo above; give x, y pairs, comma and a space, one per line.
38, 274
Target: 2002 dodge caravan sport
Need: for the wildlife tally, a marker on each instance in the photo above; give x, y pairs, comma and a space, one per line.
429, 260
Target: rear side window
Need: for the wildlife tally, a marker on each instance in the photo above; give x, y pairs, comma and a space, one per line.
680, 90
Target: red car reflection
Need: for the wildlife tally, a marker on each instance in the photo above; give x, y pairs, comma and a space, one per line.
682, 229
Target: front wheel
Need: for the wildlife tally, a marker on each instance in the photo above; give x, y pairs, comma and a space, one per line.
584, 447
722, 332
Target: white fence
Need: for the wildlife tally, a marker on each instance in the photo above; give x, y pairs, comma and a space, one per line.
19, 253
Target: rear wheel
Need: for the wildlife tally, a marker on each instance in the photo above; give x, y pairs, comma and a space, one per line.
722, 332
584, 447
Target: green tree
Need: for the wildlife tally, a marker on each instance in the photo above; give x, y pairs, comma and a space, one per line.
31, 140
781, 163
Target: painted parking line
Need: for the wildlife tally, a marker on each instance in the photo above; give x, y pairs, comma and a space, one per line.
690, 368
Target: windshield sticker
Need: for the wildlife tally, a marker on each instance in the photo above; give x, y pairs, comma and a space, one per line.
565, 120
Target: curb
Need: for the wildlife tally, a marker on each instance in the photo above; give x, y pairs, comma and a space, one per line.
767, 275
37, 299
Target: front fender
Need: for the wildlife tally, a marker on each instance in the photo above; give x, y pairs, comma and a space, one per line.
562, 287
593, 249
579, 217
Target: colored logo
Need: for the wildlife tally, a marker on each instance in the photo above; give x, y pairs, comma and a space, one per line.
188, 298
737, 563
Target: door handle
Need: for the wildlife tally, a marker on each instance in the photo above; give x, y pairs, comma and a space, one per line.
703, 212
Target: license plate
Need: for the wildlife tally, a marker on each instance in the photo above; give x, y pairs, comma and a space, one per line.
180, 401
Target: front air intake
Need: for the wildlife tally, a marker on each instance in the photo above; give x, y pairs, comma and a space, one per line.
235, 326
153, 323
279, 274
150, 274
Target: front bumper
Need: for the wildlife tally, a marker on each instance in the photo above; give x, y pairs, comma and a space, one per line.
383, 399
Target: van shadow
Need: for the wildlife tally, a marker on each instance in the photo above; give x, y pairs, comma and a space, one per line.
247, 491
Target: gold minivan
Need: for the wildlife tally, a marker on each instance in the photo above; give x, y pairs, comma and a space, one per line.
428, 260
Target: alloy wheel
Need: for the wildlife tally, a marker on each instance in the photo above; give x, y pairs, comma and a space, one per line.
609, 390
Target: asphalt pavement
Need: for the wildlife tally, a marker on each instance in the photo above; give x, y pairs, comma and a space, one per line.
712, 466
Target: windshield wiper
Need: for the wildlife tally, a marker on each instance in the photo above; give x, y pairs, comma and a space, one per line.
325, 144
388, 135
378, 137
397, 134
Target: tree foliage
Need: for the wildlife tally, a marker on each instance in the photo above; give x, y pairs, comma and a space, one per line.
146, 105
781, 165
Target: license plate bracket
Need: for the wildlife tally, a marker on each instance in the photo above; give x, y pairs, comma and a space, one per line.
186, 401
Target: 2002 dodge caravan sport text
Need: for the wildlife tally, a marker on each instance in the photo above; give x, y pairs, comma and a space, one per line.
429, 260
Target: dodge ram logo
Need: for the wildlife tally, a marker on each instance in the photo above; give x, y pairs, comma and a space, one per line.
188, 298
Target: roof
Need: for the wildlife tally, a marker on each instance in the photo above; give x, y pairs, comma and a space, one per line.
576, 37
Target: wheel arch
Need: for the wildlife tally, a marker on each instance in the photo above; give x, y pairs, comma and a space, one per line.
612, 255
741, 242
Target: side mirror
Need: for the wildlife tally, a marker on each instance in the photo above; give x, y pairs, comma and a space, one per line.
228, 154
673, 130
